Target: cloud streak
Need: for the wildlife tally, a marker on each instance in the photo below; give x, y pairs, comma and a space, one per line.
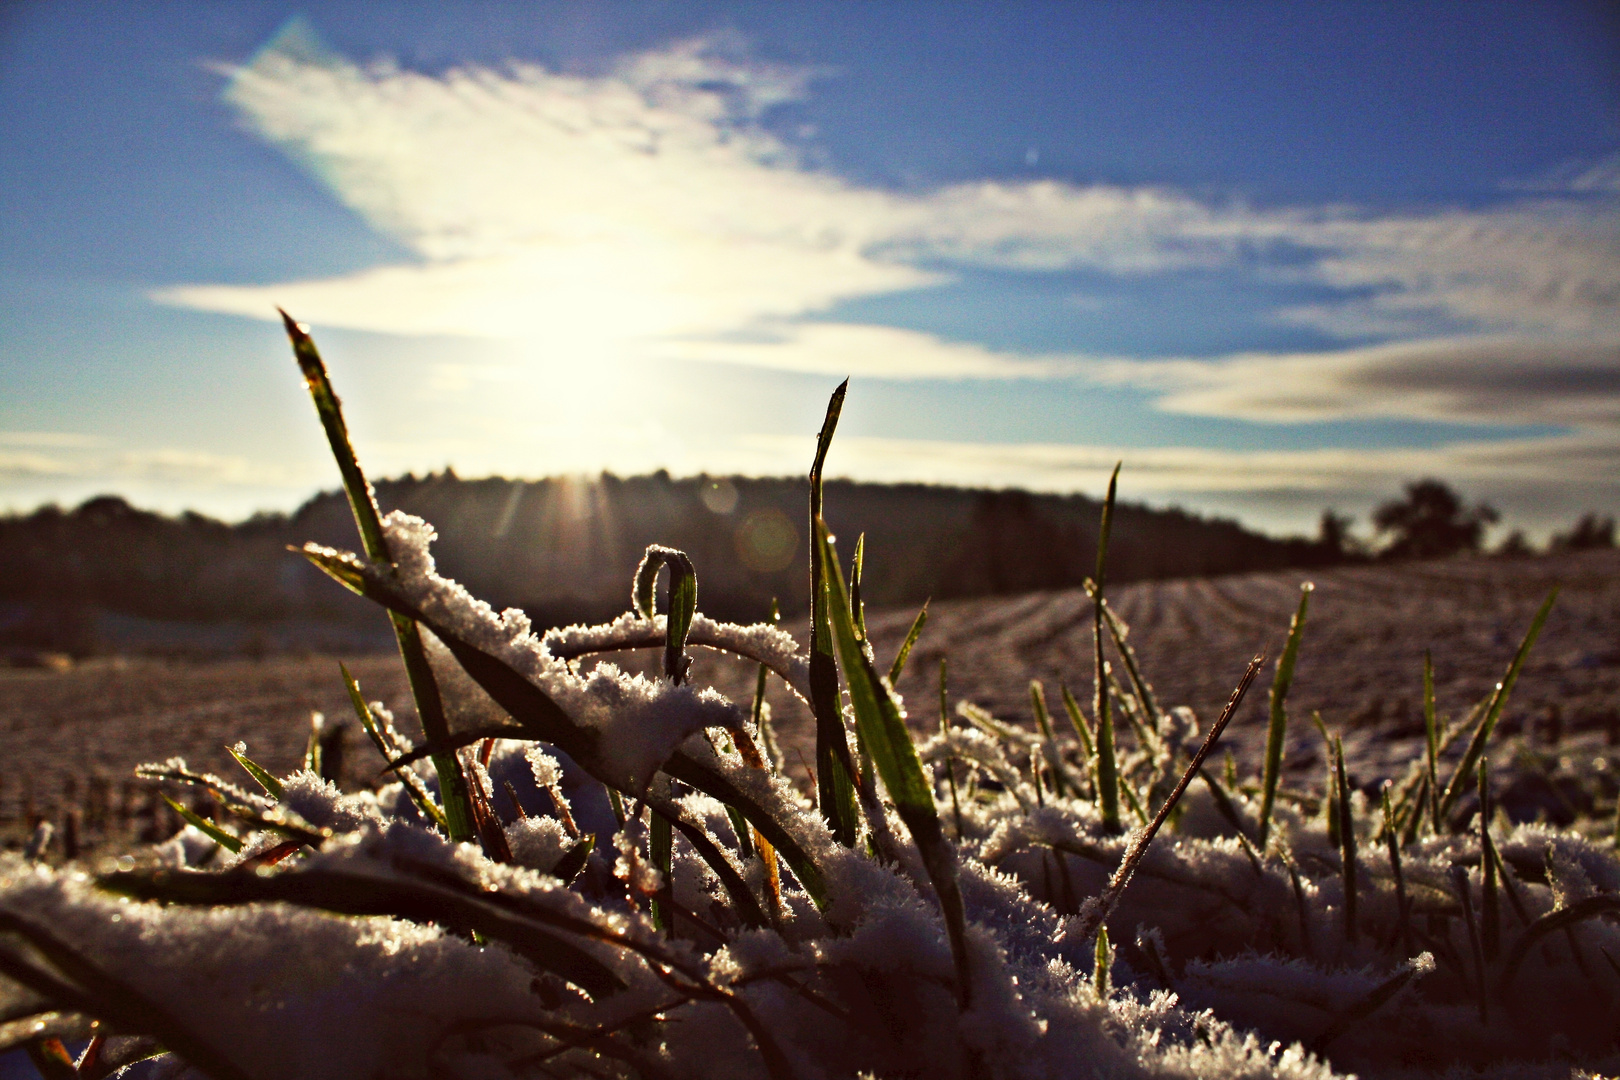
647, 204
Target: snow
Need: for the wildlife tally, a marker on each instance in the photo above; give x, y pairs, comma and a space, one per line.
1226, 966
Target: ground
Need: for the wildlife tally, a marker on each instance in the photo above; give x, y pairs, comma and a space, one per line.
63, 733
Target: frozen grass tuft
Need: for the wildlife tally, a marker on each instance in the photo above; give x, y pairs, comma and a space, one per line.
609, 876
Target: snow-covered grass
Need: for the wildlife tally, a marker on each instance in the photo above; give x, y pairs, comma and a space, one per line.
575, 871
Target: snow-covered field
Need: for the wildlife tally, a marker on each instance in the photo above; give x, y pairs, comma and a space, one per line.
961, 936
1360, 664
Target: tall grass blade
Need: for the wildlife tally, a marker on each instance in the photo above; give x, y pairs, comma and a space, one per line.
1120, 633
682, 603
1459, 881
878, 715
857, 567
1107, 768
1493, 710
1277, 732
1489, 908
1431, 741
1392, 842
1096, 910
760, 714
1061, 783
1102, 965
912, 635
945, 730
363, 503
1347, 840
835, 794
1082, 731
661, 848
414, 787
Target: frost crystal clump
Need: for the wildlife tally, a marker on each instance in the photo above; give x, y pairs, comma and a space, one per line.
607, 875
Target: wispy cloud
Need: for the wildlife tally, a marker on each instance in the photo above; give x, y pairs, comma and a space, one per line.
1482, 379
598, 213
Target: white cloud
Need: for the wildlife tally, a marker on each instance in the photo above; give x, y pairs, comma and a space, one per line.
593, 214
1474, 379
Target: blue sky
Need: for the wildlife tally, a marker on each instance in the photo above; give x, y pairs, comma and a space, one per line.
1275, 256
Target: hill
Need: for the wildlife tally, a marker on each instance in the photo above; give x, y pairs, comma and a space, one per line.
107, 574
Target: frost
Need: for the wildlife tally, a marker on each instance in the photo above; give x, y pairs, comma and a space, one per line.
638, 722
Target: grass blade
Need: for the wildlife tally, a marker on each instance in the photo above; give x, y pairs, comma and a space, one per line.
1347, 840
1489, 908
458, 905
877, 713
363, 503
835, 791
1096, 910
945, 730
1102, 966
1392, 842
682, 603
912, 635
1119, 632
1076, 718
661, 847
272, 786
413, 785
1431, 739
1061, 782
206, 827
1493, 711
857, 567
1377, 998
1107, 768
1459, 880
1277, 732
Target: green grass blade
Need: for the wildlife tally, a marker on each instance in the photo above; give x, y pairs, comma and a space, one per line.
1431, 741
1107, 767
206, 827
661, 846
1076, 718
1489, 907
1347, 840
1393, 843
835, 791
682, 603
1493, 711
1043, 720
1102, 965
1277, 733
945, 730
912, 635
271, 786
1119, 632
857, 567
363, 503
882, 725
414, 787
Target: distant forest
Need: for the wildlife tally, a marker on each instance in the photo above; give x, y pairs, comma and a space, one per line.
564, 550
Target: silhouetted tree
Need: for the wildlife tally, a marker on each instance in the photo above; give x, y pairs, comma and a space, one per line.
1589, 532
1432, 522
1333, 534
1514, 546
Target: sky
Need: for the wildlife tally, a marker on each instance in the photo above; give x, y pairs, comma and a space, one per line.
1274, 257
